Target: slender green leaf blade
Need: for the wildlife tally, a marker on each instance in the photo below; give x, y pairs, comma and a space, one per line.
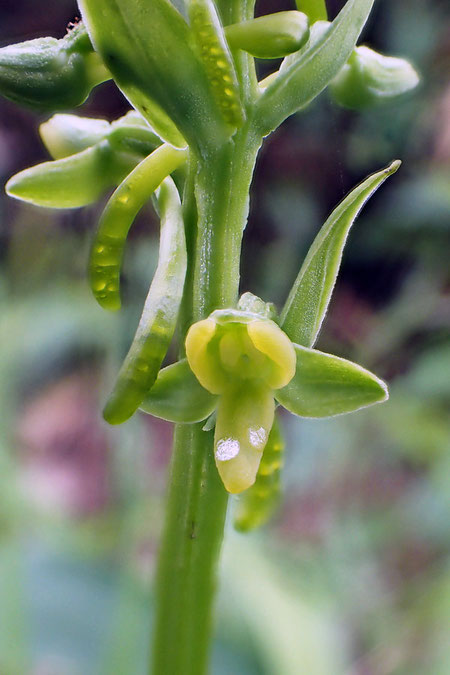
177, 396
310, 295
313, 69
325, 385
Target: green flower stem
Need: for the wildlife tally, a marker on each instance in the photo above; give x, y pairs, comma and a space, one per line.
222, 189
186, 576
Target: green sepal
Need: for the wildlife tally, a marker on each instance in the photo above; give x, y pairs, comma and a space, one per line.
70, 182
177, 396
307, 303
147, 47
313, 68
370, 78
254, 507
50, 74
316, 10
118, 216
325, 385
271, 36
157, 324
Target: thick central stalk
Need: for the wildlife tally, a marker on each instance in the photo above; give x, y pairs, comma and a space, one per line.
197, 501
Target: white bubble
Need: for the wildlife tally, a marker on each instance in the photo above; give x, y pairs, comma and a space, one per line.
227, 448
257, 437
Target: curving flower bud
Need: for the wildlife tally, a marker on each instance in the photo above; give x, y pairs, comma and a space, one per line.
271, 36
369, 78
51, 74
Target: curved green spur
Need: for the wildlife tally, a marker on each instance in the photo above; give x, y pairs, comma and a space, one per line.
117, 218
257, 504
158, 320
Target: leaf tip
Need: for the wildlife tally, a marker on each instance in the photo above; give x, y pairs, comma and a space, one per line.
393, 166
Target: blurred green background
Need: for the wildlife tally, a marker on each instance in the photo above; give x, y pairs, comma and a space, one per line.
353, 575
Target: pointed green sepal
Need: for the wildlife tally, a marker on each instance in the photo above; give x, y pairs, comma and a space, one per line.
308, 300
177, 396
157, 325
313, 68
325, 385
117, 218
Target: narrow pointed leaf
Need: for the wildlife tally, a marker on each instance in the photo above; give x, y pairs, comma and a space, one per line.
325, 385
147, 47
117, 218
308, 300
177, 396
157, 325
309, 73
65, 183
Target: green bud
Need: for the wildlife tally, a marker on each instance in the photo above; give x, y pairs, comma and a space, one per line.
65, 135
50, 74
369, 78
271, 36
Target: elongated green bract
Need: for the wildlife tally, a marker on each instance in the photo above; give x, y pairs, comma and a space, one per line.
313, 69
117, 218
70, 182
256, 505
325, 385
213, 50
158, 320
147, 47
308, 300
177, 396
